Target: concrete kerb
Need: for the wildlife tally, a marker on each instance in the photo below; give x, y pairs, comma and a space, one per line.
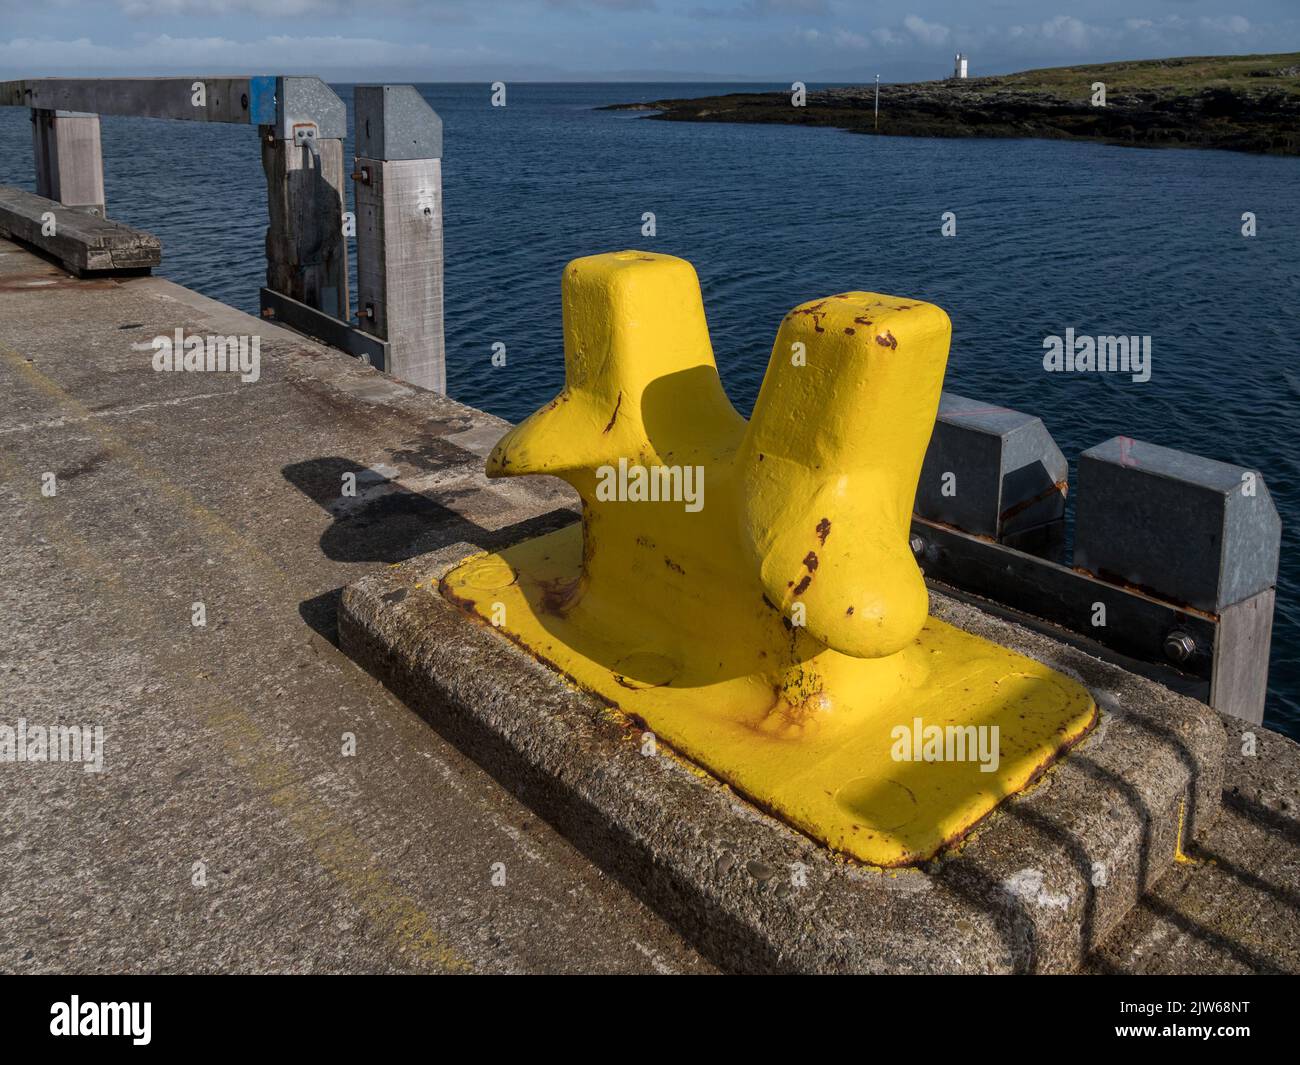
1033, 889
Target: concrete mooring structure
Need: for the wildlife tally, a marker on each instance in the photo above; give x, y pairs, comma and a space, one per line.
1165, 842
301, 124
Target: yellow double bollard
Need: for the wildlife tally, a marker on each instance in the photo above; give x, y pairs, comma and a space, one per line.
747, 591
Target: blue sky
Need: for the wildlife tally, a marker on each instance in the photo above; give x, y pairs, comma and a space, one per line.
472, 40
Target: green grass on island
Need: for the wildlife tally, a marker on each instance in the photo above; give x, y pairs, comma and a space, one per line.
1241, 103
1185, 75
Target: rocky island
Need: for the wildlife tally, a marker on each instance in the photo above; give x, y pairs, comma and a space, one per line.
1240, 103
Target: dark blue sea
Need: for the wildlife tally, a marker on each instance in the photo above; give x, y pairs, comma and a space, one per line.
1050, 235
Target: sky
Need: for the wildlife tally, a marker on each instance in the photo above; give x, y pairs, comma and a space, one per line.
598, 40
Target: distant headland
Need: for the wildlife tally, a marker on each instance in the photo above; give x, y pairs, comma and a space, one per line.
1240, 103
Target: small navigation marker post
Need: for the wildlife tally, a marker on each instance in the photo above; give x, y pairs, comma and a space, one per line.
877, 121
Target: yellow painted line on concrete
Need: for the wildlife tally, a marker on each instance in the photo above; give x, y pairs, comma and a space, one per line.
71, 543
333, 843
216, 526
1180, 856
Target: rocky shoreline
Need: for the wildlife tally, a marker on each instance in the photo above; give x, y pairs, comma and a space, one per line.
1238, 118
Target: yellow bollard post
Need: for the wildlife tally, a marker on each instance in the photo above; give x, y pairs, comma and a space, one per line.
747, 591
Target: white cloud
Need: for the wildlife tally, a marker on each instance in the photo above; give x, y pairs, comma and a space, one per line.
1235, 25
454, 10
268, 8
1064, 33
849, 39
791, 7
839, 38
926, 32
1067, 30
165, 54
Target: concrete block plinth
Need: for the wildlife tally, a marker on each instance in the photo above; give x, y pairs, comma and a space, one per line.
1033, 889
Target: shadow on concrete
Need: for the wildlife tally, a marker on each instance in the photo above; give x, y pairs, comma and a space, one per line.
1015, 923
1082, 861
1194, 827
1270, 819
1137, 804
1256, 963
1161, 910
1249, 879
382, 522
386, 523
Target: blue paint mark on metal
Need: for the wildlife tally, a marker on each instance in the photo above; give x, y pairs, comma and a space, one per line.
261, 101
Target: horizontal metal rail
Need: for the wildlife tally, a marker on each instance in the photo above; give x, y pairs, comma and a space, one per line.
279, 102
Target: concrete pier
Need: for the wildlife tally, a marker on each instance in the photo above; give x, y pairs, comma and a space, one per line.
228, 830
223, 743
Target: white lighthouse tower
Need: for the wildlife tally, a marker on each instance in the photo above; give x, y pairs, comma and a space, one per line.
959, 67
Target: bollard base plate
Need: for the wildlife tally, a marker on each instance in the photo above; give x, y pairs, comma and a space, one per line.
899, 759
1035, 887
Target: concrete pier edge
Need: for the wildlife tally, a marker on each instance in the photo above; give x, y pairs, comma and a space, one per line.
1035, 888
181, 486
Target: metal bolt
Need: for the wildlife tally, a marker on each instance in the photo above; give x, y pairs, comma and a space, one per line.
918, 545
1179, 646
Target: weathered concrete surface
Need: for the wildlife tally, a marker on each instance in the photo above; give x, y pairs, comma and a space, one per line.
1235, 907
223, 743
1036, 887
